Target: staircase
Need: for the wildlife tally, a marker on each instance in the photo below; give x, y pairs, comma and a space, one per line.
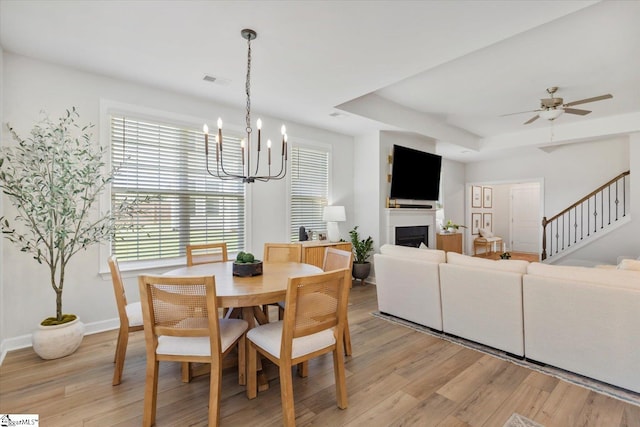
591, 217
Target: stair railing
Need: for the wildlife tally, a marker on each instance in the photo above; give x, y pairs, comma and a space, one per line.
595, 211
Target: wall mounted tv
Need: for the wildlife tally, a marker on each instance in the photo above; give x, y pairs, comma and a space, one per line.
415, 174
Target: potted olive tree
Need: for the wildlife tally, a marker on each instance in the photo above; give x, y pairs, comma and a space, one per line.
362, 249
53, 179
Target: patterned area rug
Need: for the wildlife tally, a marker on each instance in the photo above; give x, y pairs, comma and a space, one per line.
588, 383
517, 420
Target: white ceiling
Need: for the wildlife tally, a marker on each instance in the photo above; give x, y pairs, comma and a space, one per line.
443, 69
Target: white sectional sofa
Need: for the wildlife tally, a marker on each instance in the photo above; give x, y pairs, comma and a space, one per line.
413, 284
482, 301
583, 320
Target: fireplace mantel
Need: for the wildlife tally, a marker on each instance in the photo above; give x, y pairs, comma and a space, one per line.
407, 217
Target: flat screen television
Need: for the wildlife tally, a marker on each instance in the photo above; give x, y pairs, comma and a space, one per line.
415, 174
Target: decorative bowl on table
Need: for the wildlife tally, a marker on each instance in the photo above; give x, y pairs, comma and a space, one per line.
246, 265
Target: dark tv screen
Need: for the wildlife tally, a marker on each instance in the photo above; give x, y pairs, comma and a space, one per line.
415, 174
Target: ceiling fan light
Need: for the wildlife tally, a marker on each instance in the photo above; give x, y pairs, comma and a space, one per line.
551, 114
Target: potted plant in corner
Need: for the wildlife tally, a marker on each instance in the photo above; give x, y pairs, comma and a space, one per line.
53, 179
362, 249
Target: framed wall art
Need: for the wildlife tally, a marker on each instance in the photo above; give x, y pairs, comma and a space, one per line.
487, 221
476, 196
487, 197
476, 222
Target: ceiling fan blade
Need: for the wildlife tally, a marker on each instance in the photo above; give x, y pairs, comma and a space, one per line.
520, 112
584, 101
532, 119
576, 111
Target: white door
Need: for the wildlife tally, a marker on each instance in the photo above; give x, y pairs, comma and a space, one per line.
526, 226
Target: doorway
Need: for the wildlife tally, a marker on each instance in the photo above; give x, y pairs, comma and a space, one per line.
514, 214
525, 218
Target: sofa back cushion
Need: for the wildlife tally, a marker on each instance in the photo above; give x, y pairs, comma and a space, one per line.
429, 255
513, 266
608, 277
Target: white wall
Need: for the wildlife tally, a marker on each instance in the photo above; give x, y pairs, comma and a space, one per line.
2, 298
624, 241
30, 86
568, 173
366, 188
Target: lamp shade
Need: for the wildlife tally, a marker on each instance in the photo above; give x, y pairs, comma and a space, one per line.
334, 214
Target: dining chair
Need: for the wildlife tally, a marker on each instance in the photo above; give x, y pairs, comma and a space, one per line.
334, 259
130, 315
314, 319
181, 322
206, 253
280, 252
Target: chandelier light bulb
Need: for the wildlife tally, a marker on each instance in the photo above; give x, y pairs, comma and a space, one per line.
205, 129
219, 123
283, 130
259, 124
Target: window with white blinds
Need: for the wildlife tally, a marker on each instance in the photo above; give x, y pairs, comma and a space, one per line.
309, 188
166, 163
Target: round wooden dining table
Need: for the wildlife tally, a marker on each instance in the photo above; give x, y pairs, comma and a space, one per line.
247, 294
234, 291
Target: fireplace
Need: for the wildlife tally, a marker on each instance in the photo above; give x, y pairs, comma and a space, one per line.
412, 235
413, 225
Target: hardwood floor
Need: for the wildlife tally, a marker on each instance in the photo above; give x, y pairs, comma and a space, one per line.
396, 377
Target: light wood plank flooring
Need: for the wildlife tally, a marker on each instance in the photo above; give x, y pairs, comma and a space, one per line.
396, 377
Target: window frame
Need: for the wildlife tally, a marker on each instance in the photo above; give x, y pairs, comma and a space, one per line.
312, 145
109, 108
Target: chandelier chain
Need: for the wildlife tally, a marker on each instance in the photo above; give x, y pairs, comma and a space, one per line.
248, 88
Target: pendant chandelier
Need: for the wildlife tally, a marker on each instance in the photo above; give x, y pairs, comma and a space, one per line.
249, 172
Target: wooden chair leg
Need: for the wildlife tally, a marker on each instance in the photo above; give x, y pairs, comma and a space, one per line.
242, 360
121, 352
186, 372
286, 394
347, 340
150, 394
341, 382
215, 390
303, 369
252, 371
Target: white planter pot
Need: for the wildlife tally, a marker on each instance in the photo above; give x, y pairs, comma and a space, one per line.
54, 342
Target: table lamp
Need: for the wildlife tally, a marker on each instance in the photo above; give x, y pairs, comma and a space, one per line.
332, 215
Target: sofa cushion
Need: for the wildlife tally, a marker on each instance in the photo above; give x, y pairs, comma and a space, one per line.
607, 277
429, 255
514, 266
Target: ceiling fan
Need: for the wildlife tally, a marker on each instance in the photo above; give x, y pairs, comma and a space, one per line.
553, 107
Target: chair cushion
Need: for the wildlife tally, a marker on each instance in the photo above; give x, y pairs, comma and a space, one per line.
269, 337
230, 331
134, 313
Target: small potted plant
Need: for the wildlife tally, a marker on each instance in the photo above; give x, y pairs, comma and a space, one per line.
362, 249
53, 179
246, 265
451, 227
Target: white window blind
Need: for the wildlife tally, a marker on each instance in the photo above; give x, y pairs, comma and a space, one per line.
309, 188
166, 163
